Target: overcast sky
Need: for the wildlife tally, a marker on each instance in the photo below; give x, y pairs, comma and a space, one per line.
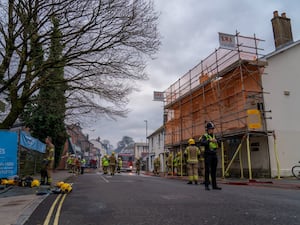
189, 30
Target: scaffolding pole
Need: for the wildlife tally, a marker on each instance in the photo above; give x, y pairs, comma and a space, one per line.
249, 158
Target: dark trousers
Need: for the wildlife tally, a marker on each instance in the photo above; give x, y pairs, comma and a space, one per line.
44, 176
211, 162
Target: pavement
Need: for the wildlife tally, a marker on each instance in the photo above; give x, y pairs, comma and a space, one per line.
18, 203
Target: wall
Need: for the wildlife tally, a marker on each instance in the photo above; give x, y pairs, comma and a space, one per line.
156, 148
282, 74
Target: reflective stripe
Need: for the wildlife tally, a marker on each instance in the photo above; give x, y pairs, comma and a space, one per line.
192, 158
212, 145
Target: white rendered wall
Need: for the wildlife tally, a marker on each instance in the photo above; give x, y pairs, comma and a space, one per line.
283, 75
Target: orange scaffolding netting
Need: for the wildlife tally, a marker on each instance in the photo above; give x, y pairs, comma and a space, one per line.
222, 88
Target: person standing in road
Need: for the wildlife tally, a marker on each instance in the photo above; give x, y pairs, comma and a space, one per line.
112, 163
156, 164
120, 163
170, 163
211, 144
138, 165
82, 165
192, 154
179, 164
105, 164
49, 159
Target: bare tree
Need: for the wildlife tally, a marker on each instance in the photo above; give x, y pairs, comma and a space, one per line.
106, 45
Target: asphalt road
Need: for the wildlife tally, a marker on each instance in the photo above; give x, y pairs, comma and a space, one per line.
128, 199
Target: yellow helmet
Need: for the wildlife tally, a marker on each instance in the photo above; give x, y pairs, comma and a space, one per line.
4, 181
35, 183
66, 188
191, 141
59, 184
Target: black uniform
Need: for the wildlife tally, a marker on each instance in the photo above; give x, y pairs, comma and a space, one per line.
210, 159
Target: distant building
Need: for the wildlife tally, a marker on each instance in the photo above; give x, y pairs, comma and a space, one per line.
156, 147
98, 150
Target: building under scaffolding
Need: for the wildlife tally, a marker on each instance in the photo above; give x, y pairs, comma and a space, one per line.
225, 88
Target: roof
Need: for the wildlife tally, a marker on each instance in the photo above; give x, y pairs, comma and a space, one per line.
282, 49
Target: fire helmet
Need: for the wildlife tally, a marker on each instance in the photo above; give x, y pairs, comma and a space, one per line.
35, 183
66, 188
191, 141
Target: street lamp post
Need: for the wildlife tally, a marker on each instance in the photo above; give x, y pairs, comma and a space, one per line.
147, 147
146, 129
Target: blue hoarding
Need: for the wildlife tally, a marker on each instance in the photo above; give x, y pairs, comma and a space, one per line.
8, 153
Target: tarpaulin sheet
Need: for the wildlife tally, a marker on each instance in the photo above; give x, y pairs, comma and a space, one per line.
31, 143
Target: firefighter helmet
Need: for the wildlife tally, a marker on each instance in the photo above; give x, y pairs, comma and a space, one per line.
66, 188
4, 181
210, 125
191, 141
35, 183
59, 184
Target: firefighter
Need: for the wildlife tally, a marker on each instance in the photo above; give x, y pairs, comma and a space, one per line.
49, 159
105, 164
192, 154
120, 163
170, 163
179, 163
138, 165
112, 163
211, 144
69, 163
156, 164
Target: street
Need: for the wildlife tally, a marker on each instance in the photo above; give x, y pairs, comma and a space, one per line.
128, 199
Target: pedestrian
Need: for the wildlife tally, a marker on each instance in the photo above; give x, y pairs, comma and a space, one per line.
211, 144
49, 160
112, 163
138, 166
192, 154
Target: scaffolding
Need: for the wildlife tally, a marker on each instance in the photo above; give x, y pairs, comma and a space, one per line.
225, 88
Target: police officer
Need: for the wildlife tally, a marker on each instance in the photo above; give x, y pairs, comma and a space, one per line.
211, 144
192, 153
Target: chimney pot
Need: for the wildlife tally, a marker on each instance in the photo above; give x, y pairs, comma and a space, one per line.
283, 15
275, 13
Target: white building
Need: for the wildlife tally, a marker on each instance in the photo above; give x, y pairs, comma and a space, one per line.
99, 150
282, 93
156, 147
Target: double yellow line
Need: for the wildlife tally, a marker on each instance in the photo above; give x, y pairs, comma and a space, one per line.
60, 197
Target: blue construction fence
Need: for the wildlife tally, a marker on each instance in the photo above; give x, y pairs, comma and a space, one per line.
20, 154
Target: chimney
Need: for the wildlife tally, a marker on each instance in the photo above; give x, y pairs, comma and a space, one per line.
282, 29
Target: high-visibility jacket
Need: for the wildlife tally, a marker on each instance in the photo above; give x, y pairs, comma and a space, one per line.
49, 156
105, 161
120, 163
205, 140
192, 154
